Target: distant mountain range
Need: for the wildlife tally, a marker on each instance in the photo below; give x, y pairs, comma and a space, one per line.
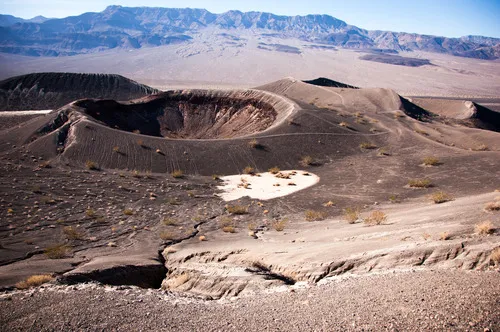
137, 27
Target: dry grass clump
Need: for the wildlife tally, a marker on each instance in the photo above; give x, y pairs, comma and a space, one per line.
351, 214
444, 236
484, 228
420, 183
34, 281
215, 177
237, 209
116, 149
177, 174
169, 221
90, 213
255, 144
383, 152
306, 161
274, 170
229, 229
375, 218
368, 146
45, 164
329, 204
482, 147
56, 251
344, 124
394, 199
249, 170
312, 215
495, 256
141, 143
73, 233
202, 238
421, 132
91, 165
279, 225
493, 206
128, 212
431, 161
227, 225
440, 197
167, 236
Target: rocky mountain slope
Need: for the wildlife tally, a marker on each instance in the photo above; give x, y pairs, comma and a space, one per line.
132, 28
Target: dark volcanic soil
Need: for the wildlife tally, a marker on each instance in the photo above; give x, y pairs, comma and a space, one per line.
87, 194
413, 301
46, 91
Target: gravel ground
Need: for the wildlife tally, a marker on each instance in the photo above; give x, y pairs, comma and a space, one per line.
409, 301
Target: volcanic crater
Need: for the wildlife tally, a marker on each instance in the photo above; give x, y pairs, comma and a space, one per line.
192, 114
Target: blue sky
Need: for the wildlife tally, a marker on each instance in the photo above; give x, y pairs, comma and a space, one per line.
451, 18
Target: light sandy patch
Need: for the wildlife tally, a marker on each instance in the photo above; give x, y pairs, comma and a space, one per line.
266, 185
13, 113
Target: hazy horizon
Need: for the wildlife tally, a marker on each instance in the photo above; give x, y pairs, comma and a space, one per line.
440, 18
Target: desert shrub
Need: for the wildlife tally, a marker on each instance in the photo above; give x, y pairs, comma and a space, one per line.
56, 251
482, 147
174, 201
252, 226
351, 215
493, 206
45, 164
306, 161
255, 144
73, 233
495, 256
169, 221
202, 238
375, 218
141, 143
421, 132
274, 170
177, 174
419, 183
329, 204
344, 124
484, 228
167, 236
47, 200
313, 215
237, 209
91, 213
440, 197
279, 225
116, 149
394, 199
368, 146
249, 170
444, 236
34, 281
91, 165
229, 229
215, 177
431, 161
383, 152
128, 212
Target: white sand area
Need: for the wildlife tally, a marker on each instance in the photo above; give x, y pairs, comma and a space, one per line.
266, 185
